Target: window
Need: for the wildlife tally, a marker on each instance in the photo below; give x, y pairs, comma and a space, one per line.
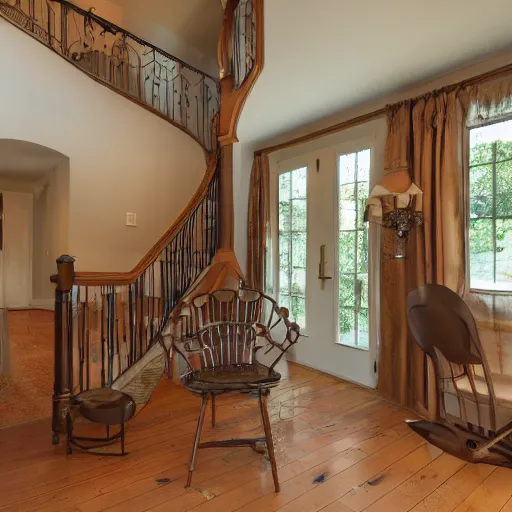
490, 207
293, 243
353, 183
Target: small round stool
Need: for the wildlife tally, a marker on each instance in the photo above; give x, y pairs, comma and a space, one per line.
105, 406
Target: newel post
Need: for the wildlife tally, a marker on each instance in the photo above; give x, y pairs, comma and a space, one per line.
63, 355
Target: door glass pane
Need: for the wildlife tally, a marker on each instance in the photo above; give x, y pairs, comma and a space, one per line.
299, 241
362, 196
353, 182
347, 291
298, 215
298, 310
362, 329
293, 243
347, 251
284, 216
346, 169
347, 211
347, 323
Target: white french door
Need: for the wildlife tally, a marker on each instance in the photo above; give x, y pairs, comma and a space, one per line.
325, 270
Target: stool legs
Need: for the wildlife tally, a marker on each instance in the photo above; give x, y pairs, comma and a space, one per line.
72, 440
213, 409
268, 435
197, 438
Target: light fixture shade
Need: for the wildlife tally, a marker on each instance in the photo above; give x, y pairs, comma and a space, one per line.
395, 190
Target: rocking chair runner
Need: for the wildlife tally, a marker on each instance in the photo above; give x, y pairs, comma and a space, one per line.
475, 413
218, 335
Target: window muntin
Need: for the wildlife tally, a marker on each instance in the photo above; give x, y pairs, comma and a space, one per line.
490, 207
292, 220
353, 189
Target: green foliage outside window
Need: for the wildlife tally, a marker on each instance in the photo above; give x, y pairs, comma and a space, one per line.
481, 190
490, 212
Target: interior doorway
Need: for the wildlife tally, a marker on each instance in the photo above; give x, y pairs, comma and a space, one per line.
34, 196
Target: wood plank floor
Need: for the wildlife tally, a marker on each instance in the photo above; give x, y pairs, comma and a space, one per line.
27, 395
339, 449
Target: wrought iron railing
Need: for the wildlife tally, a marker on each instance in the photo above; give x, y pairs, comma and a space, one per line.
107, 322
164, 84
243, 44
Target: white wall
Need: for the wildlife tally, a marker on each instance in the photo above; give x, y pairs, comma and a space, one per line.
122, 158
51, 230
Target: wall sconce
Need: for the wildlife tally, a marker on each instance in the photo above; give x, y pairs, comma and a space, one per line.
396, 203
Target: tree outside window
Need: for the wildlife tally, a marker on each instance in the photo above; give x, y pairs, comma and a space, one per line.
490, 208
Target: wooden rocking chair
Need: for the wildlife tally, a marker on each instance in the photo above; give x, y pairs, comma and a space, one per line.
475, 413
218, 335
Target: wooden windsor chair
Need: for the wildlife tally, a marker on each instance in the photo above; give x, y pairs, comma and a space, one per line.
474, 410
218, 335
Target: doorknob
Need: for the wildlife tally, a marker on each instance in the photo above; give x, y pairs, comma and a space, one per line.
321, 267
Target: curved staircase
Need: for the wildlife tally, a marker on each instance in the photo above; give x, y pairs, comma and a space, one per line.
111, 328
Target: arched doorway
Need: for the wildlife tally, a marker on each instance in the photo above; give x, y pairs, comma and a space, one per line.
34, 204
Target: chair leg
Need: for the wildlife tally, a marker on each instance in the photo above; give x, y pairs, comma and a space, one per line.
213, 409
200, 422
268, 435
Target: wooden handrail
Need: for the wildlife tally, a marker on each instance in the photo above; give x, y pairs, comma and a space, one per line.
125, 278
233, 98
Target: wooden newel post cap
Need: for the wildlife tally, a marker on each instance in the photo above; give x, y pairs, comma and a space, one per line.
65, 272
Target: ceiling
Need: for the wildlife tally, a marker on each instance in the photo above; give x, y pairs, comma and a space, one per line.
325, 56
25, 161
196, 22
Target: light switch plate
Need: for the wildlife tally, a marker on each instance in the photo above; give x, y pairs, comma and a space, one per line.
131, 219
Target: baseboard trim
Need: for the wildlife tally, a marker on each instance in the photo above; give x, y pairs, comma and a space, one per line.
48, 304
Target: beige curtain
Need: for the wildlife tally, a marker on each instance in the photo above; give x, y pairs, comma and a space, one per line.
426, 137
258, 222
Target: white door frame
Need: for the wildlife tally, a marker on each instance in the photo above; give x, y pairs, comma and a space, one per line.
370, 136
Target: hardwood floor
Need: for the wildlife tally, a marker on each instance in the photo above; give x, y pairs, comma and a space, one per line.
339, 448
27, 395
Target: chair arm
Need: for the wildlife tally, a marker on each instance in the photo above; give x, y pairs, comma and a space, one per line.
292, 336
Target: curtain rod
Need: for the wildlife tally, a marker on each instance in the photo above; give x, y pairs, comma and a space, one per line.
373, 115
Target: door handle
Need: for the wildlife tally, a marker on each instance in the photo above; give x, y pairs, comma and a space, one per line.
321, 267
